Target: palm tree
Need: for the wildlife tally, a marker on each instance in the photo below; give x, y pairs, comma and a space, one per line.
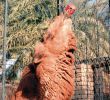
28, 22
26, 26
91, 32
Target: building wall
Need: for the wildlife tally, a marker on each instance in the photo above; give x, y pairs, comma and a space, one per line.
84, 89
92, 81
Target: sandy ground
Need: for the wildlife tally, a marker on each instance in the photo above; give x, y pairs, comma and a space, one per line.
9, 90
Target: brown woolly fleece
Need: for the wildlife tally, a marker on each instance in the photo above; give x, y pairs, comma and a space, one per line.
51, 75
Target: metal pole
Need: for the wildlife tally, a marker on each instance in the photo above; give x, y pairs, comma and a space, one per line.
4, 50
97, 32
109, 6
58, 12
60, 5
109, 41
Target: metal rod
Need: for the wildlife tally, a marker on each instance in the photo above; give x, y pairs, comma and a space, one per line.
60, 5
4, 50
58, 12
109, 6
109, 38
